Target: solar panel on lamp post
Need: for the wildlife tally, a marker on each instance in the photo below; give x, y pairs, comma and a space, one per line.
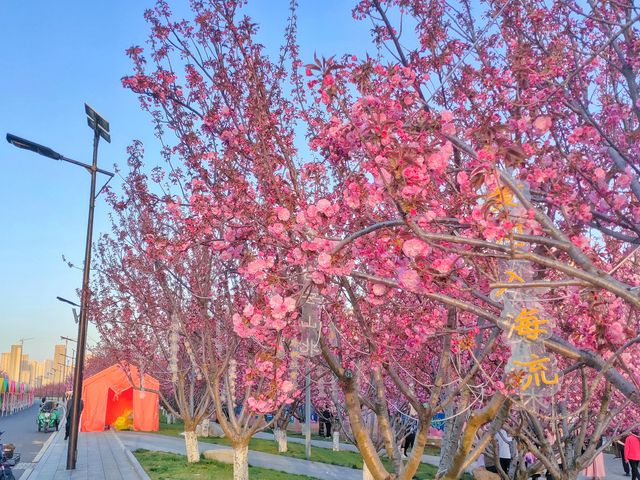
100, 129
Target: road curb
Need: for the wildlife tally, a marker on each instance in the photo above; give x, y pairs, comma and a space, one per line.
28, 471
132, 459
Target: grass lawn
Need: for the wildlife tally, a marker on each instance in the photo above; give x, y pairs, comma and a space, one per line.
161, 466
428, 450
296, 450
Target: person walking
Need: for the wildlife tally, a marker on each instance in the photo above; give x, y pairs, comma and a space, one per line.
596, 470
410, 439
69, 407
504, 449
489, 457
632, 454
327, 418
620, 449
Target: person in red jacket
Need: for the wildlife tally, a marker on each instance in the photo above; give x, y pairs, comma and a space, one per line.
632, 454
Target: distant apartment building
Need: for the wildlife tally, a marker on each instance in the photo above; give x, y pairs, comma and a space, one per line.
15, 359
39, 374
59, 364
25, 369
33, 372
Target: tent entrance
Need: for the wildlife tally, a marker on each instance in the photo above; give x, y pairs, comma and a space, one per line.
118, 405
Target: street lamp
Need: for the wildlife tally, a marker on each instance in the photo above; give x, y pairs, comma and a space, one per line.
49, 152
68, 301
100, 129
75, 313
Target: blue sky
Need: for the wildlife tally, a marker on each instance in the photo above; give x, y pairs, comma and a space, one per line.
56, 56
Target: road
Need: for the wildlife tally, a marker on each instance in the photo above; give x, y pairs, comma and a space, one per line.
21, 430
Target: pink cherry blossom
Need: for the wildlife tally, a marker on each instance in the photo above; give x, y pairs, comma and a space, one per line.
324, 260
281, 306
542, 124
413, 247
409, 279
379, 289
324, 206
283, 214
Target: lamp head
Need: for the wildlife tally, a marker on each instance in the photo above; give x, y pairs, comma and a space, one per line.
33, 146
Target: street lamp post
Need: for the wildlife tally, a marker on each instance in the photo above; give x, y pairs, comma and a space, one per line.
66, 346
62, 376
69, 360
100, 128
309, 347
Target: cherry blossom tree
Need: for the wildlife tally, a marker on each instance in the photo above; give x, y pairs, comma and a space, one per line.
141, 313
169, 300
403, 184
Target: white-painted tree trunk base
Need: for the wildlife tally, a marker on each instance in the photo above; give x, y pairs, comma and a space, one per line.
281, 439
336, 441
366, 474
191, 444
241, 463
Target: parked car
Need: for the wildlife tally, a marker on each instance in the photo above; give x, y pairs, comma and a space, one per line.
49, 416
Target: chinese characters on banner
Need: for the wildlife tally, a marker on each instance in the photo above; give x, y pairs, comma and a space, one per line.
525, 322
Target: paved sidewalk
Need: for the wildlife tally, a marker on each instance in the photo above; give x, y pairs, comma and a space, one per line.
163, 443
101, 456
430, 459
612, 467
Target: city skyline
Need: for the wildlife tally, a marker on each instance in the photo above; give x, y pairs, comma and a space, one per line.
37, 373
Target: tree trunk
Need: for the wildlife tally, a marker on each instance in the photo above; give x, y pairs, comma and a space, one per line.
453, 432
476, 420
366, 474
449, 442
336, 441
362, 436
241, 462
281, 439
191, 444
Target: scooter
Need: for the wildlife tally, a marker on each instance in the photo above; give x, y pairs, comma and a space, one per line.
8, 459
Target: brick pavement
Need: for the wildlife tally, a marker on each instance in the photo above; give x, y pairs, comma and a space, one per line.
101, 456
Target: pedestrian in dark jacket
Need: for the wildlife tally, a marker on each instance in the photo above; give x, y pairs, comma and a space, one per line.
620, 449
69, 417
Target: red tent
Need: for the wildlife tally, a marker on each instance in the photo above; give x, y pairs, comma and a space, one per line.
110, 393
